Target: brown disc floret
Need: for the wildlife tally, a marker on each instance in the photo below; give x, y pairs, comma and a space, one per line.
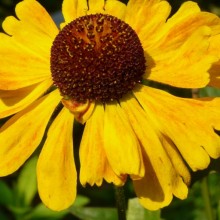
97, 58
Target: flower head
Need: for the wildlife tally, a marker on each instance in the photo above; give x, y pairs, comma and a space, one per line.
97, 65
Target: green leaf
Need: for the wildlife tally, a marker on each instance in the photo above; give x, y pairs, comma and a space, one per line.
27, 183
136, 211
209, 91
41, 212
88, 213
6, 196
81, 201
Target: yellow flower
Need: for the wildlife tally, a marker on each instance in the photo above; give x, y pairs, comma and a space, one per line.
99, 61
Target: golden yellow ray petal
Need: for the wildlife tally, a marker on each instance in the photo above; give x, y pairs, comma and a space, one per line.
112, 5
176, 159
94, 164
144, 18
19, 67
186, 122
151, 191
120, 143
96, 6
182, 24
56, 172
185, 67
181, 182
21, 134
158, 166
32, 12
73, 9
34, 29
169, 38
13, 101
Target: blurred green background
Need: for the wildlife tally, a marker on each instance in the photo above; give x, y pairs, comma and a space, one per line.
18, 192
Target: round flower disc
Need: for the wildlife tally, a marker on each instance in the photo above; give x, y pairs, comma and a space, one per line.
97, 58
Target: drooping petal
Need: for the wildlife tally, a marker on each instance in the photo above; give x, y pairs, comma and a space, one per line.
56, 172
35, 29
13, 101
120, 143
73, 9
161, 179
20, 67
181, 121
176, 159
21, 134
94, 164
111, 5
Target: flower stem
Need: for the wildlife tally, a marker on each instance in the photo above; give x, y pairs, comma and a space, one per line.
120, 202
206, 198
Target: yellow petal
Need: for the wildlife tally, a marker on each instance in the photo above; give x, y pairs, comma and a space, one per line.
19, 67
56, 172
176, 29
120, 143
150, 190
157, 187
112, 5
186, 122
35, 29
186, 66
96, 6
73, 9
13, 101
183, 179
32, 12
182, 48
176, 159
21, 134
144, 18
94, 164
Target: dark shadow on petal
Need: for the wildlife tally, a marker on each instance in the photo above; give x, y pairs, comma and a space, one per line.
149, 186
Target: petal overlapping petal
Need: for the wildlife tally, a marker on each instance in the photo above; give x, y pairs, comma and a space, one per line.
144, 18
94, 163
13, 101
33, 31
161, 179
56, 172
96, 6
175, 117
19, 66
27, 129
123, 151
73, 9
111, 5
186, 66
170, 55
